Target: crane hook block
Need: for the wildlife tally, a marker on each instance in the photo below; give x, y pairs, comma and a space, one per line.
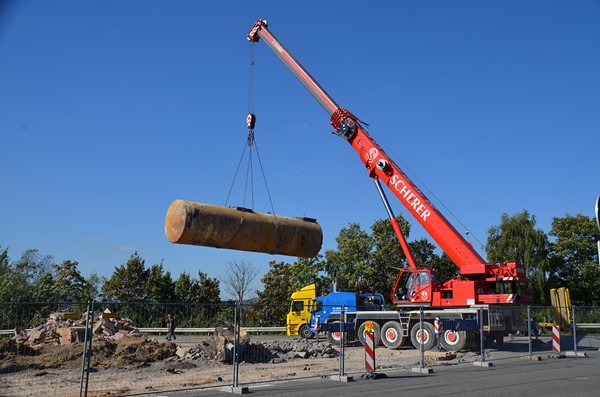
242, 229
251, 120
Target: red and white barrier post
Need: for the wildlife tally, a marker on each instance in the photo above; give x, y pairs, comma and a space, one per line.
437, 328
369, 347
556, 338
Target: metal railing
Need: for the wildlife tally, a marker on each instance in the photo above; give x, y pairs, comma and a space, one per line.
205, 330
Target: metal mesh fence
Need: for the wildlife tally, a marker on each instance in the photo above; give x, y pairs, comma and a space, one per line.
42, 347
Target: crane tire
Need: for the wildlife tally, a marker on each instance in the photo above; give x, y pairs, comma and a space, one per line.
392, 335
376, 332
426, 337
453, 341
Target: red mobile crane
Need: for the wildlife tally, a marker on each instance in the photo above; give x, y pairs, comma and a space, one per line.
478, 284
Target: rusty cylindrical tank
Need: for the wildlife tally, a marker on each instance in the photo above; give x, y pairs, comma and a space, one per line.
208, 225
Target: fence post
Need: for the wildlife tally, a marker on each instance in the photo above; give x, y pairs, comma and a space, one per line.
342, 324
574, 326
421, 368
529, 330
83, 358
482, 363
342, 339
235, 342
234, 388
481, 344
87, 350
421, 344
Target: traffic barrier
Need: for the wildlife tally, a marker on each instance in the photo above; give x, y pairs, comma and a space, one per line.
556, 338
369, 348
437, 329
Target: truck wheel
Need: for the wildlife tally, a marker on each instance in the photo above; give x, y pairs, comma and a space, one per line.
334, 337
376, 332
391, 335
305, 332
453, 341
425, 336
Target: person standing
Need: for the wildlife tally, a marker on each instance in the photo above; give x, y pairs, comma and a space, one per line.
170, 327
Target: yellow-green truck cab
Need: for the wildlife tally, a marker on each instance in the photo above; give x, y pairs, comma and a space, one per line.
298, 317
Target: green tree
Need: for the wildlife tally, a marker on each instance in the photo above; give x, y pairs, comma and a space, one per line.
4, 262
517, 240
69, 284
306, 271
6, 277
209, 289
159, 286
276, 284
32, 265
272, 300
351, 265
44, 288
187, 289
27, 272
574, 258
127, 281
424, 253
94, 288
387, 257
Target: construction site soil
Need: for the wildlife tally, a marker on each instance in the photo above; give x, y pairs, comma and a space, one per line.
144, 366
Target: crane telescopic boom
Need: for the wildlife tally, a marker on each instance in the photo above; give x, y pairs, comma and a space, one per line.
481, 282
378, 164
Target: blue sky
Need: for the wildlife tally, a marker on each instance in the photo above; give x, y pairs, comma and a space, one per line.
110, 110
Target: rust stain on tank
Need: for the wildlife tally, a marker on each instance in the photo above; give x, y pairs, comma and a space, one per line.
236, 228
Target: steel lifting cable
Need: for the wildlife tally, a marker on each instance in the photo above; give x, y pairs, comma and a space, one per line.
250, 143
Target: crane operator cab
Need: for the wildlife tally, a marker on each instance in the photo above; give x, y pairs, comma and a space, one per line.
413, 286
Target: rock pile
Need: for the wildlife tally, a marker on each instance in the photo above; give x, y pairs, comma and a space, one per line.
302, 348
63, 329
220, 348
108, 326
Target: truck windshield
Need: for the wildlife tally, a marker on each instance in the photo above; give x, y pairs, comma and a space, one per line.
297, 306
317, 306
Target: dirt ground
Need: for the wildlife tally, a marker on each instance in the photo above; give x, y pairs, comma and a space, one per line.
145, 366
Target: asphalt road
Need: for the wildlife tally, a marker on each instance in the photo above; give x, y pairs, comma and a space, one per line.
569, 376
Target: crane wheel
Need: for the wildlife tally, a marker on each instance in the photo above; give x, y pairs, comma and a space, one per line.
392, 335
376, 332
453, 341
424, 336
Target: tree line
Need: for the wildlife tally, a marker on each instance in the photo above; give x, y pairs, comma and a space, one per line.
566, 256
363, 260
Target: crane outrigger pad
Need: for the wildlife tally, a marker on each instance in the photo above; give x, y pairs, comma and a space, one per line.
237, 228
